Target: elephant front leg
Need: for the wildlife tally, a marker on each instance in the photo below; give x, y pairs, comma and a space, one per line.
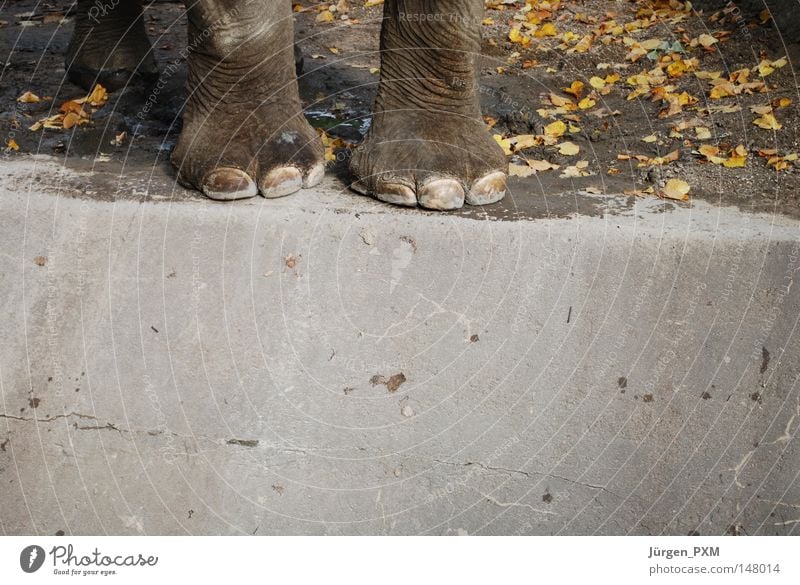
109, 45
428, 144
243, 127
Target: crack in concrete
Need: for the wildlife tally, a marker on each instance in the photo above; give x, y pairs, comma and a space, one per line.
496, 502
787, 522
528, 474
48, 419
109, 426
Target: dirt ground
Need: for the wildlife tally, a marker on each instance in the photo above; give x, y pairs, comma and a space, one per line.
632, 137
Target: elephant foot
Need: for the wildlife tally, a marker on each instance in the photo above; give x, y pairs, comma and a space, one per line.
261, 149
428, 145
435, 161
109, 46
244, 132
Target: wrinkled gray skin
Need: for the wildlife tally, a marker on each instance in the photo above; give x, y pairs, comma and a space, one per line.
244, 132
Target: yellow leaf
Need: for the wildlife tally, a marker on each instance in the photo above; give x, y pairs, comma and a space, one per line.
720, 91
649, 139
29, 98
98, 97
523, 171
761, 110
504, 143
597, 82
677, 189
523, 142
734, 162
531, 168
561, 102
708, 151
556, 129
72, 119
676, 68
651, 44
768, 122
542, 165
548, 30
586, 103
515, 36
569, 149
325, 16
707, 40
12, 144
702, 133
576, 89
765, 68
584, 44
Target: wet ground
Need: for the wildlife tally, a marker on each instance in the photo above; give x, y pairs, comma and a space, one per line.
520, 76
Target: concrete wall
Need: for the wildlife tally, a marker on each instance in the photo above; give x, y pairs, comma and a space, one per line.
174, 367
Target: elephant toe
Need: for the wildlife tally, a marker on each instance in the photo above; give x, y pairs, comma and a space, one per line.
441, 195
228, 184
281, 182
488, 189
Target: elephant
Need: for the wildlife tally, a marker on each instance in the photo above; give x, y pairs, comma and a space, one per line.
244, 132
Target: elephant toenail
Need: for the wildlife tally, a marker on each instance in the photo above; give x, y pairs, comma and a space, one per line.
396, 194
442, 194
314, 176
229, 184
281, 182
489, 189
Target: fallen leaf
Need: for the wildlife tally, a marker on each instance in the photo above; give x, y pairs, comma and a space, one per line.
29, 98
576, 89
504, 143
569, 149
768, 122
556, 129
707, 40
702, 133
393, 383
677, 189
524, 171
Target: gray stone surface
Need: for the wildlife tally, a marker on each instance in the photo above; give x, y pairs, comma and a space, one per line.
173, 366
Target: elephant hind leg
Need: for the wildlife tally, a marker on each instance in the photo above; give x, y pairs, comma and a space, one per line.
109, 45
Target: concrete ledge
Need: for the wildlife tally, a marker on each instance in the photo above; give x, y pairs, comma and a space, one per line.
172, 368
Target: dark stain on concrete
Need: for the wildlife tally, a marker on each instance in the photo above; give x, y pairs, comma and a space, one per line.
243, 442
764, 359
